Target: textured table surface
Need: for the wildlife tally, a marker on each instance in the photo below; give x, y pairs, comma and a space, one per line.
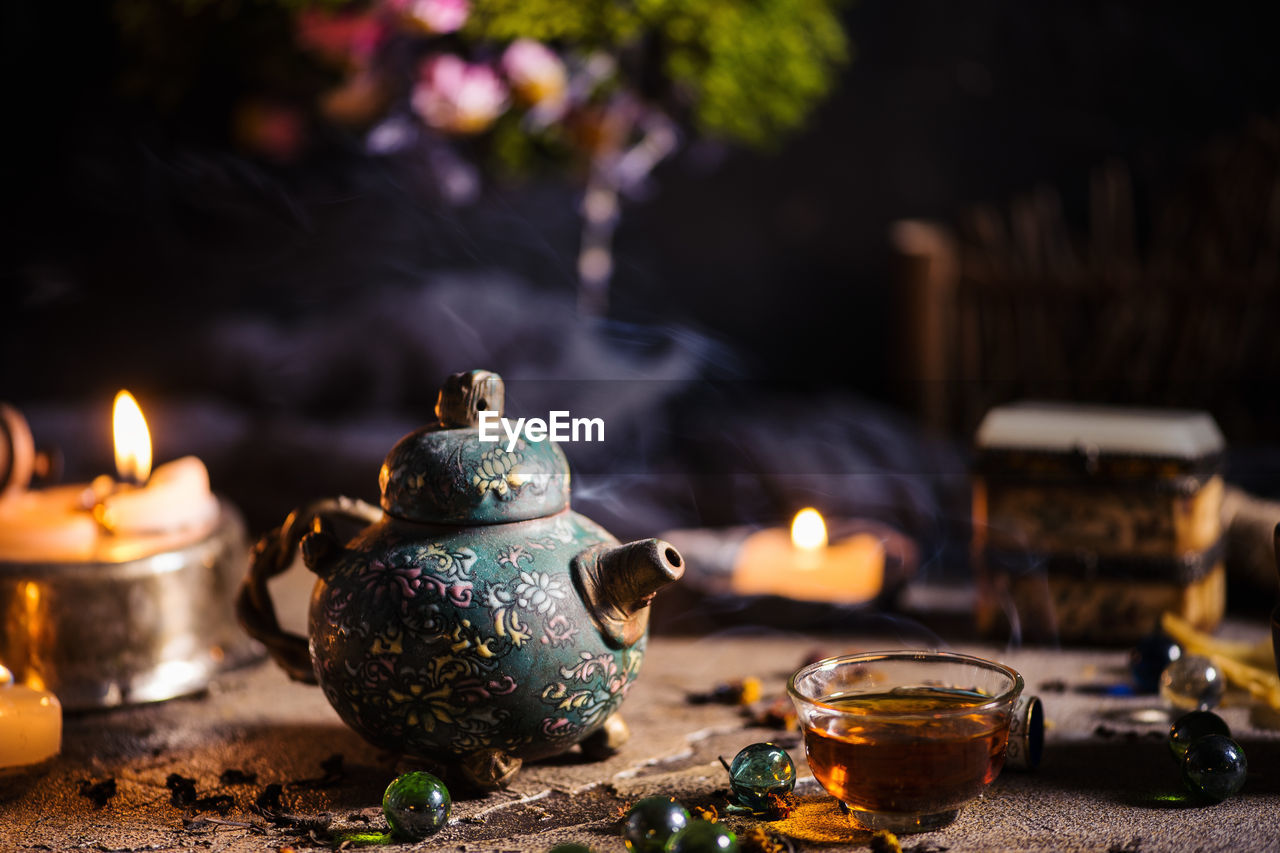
1106, 783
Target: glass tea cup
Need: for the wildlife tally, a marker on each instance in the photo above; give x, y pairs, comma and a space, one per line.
905, 738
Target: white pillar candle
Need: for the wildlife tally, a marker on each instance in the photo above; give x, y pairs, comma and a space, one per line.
30, 724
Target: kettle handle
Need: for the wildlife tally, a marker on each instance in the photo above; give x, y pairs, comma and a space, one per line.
272, 555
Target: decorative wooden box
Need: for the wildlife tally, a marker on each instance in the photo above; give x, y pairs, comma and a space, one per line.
1091, 521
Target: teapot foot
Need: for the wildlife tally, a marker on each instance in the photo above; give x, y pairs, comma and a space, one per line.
606, 740
489, 769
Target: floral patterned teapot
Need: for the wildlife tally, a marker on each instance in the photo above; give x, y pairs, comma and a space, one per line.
475, 620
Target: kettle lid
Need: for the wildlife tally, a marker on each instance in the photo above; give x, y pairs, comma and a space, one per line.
444, 473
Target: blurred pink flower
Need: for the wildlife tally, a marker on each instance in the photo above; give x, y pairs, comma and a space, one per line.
536, 74
341, 37
455, 96
434, 16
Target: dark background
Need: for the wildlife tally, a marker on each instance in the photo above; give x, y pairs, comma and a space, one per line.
333, 293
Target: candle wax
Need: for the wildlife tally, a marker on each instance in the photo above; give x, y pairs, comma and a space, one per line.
49, 524
177, 497
101, 521
849, 571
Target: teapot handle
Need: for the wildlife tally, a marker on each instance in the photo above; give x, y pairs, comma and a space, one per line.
272, 555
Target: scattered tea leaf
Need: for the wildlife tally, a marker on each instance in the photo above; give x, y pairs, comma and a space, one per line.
269, 800
220, 803
741, 691
781, 805
99, 792
884, 841
182, 790
757, 839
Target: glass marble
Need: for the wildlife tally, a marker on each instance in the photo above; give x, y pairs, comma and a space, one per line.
759, 770
1148, 659
651, 822
1190, 727
416, 805
702, 836
1192, 683
1215, 767
570, 847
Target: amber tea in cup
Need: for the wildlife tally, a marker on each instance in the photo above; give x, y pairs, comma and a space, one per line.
905, 738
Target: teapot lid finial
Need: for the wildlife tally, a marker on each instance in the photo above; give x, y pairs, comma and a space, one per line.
464, 395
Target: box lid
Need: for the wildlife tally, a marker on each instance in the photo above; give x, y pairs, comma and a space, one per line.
1041, 440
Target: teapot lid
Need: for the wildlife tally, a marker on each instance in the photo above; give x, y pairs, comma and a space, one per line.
445, 474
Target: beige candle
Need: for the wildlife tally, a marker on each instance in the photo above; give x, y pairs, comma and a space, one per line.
803, 566
108, 520
30, 724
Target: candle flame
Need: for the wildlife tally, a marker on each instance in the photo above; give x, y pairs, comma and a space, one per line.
808, 530
133, 440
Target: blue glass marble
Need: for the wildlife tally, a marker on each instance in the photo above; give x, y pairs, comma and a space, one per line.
651, 822
759, 770
416, 805
702, 836
1189, 728
1148, 659
1215, 767
1192, 683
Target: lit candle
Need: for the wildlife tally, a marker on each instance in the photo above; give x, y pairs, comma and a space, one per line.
30, 725
142, 559
805, 567
144, 513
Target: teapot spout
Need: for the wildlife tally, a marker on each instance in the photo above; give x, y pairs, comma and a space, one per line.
619, 581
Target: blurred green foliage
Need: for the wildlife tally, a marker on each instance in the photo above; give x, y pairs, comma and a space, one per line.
740, 70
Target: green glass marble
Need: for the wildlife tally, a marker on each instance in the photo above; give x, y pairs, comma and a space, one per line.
651, 822
759, 770
570, 847
416, 805
702, 836
1214, 767
1189, 728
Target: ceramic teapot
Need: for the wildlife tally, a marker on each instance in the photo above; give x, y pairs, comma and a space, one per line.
476, 621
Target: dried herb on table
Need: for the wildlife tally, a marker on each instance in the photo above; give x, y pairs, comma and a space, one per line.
182, 790
269, 799
778, 713
742, 691
885, 841
100, 792
707, 813
757, 839
333, 770
220, 803
781, 805
237, 777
